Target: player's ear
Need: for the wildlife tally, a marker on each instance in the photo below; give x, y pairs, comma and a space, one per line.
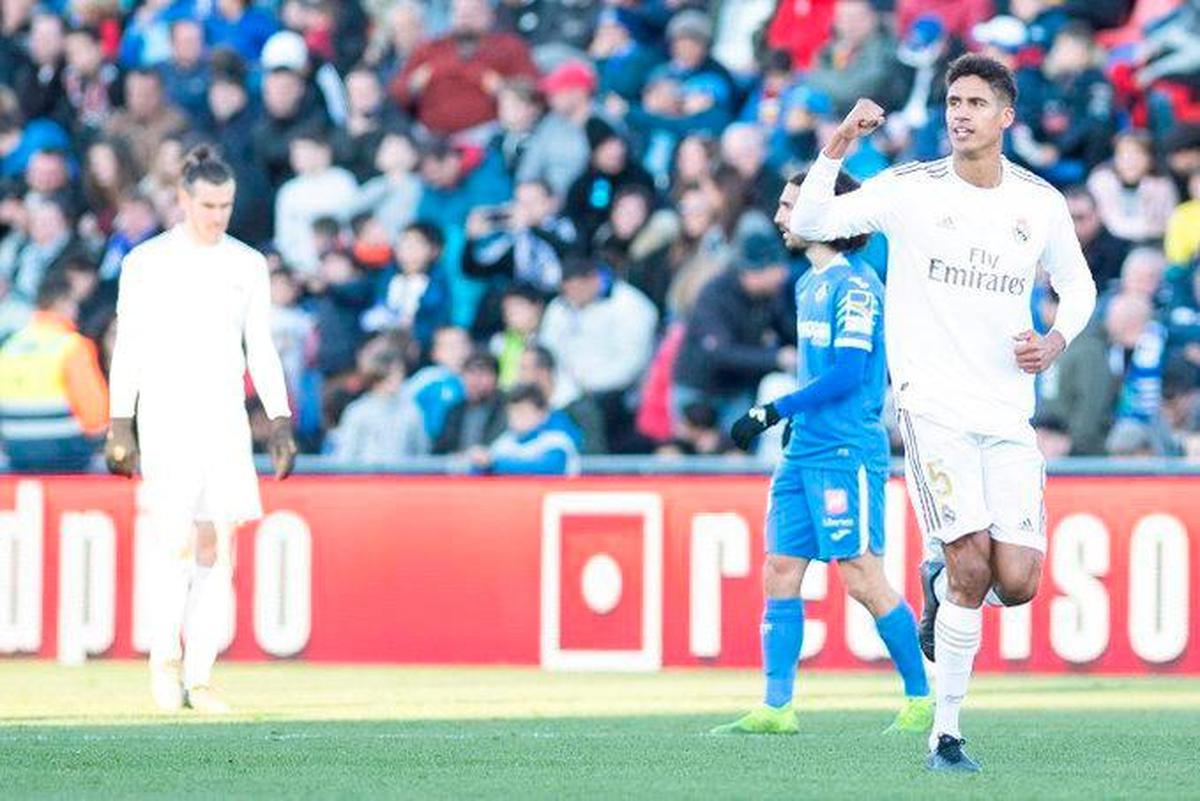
1008, 117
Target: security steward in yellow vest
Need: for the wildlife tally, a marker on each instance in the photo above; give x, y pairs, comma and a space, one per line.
53, 396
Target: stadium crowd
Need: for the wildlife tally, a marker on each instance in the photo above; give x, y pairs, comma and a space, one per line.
524, 230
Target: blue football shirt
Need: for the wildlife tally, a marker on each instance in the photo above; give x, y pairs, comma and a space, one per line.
841, 307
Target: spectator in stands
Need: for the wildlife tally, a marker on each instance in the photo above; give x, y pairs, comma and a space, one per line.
292, 329
1080, 390
147, 118
689, 43
39, 81
858, 61
522, 307
392, 195
146, 41
161, 183
610, 172
532, 444
702, 249
1134, 202
1137, 352
524, 242
383, 427
414, 297
700, 433
319, 189
186, 73
288, 108
519, 107
241, 25
134, 223
1142, 274
108, 175
744, 149
635, 243
89, 82
739, 331
558, 150
1182, 241
1104, 252
231, 121
601, 331
370, 116
397, 38
439, 386
48, 175
53, 396
478, 419
622, 62
1070, 108
449, 84
584, 422
28, 253
341, 295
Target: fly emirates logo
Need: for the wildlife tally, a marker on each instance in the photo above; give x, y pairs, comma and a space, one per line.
982, 273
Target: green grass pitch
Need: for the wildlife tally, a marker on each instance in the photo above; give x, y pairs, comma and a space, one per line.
304, 731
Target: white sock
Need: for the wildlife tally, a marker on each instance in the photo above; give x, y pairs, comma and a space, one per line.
170, 602
956, 641
203, 628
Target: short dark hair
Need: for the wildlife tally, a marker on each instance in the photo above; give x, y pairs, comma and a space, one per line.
700, 414
428, 231
843, 185
55, 287
527, 393
991, 71
482, 358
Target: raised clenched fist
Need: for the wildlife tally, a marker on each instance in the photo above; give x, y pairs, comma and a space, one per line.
865, 117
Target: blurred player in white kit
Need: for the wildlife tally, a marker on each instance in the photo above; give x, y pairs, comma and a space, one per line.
192, 316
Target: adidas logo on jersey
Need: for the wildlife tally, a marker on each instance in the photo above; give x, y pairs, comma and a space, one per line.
947, 222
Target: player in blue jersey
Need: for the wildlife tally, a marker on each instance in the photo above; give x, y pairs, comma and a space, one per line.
827, 495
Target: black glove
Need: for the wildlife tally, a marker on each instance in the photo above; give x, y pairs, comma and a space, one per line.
282, 447
787, 433
121, 447
753, 423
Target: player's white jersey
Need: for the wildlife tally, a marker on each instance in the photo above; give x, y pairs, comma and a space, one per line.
191, 319
961, 267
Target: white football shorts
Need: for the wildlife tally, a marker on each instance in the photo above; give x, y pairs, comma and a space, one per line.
961, 483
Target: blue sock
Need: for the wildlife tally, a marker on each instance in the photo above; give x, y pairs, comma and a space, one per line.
898, 628
782, 635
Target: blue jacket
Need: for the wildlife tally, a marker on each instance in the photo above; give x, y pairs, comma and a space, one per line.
545, 451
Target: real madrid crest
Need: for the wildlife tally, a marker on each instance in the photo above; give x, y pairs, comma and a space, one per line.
1021, 230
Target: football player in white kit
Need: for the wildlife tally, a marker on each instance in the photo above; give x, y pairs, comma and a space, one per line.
966, 236
192, 316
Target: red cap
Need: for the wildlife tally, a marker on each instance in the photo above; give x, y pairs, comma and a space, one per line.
569, 75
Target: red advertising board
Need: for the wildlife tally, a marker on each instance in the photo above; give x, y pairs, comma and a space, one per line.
595, 573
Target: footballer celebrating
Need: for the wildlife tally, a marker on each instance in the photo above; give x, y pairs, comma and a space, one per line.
966, 235
827, 495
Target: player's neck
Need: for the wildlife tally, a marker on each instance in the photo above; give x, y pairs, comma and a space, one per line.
820, 256
983, 170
